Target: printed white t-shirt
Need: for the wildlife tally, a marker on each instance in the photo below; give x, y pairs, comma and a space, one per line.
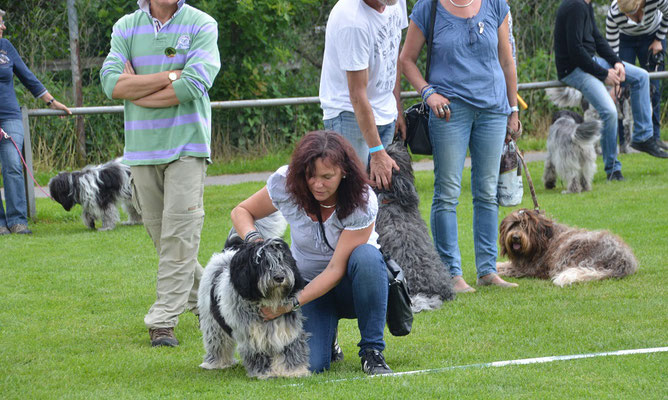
359, 37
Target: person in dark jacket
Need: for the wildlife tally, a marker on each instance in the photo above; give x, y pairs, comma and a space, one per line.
14, 219
577, 42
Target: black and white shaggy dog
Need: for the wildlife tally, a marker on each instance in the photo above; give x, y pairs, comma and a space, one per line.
538, 247
98, 188
236, 284
404, 237
571, 153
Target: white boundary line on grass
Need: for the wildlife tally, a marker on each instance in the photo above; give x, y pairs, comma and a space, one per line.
523, 361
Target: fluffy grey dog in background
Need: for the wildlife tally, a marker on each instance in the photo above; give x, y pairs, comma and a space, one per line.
571, 152
98, 188
236, 284
403, 236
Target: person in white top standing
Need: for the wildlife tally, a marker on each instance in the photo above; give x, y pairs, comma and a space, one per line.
359, 84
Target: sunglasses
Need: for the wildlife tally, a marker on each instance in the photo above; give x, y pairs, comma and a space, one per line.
473, 28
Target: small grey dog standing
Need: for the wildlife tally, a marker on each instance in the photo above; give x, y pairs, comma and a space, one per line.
571, 152
403, 236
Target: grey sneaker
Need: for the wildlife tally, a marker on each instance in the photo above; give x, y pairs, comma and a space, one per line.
4, 230
163, 337
20, 229
373, 363
616, 176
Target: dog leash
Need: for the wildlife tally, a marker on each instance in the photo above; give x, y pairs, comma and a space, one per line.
514, 135
5, 135
530, 182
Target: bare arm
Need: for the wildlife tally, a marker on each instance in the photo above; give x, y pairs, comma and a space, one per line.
413, 44
509, 72
401, 122
163, 98
257, 206
381, 163
132, 87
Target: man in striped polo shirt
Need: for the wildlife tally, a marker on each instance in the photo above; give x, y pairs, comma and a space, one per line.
163, 60
637, 29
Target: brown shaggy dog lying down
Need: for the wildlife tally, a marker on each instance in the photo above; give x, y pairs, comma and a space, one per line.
538, 247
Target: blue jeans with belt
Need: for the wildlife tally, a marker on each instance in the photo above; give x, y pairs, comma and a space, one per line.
361, 294
12, 176
346, 125
632, 47
482, 133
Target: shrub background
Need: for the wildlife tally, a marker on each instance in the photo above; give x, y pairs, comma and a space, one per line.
269, 49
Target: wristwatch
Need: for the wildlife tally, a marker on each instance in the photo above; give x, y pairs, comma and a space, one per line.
172, 76
514, 109
295, 304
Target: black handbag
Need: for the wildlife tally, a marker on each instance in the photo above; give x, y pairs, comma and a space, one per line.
417, 116
399, 315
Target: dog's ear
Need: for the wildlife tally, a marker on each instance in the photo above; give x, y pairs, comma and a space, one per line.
245, 272
504, 228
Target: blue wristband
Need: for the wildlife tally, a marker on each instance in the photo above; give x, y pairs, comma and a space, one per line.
375, 149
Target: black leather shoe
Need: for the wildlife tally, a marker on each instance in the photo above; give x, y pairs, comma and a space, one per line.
616, 176
650, 147
662, 145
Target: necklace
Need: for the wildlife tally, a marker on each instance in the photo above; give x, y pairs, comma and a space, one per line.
326, 206
461, 5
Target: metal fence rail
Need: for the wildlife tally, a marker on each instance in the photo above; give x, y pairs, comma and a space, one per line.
290, 101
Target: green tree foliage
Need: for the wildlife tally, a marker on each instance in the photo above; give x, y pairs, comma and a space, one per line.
269, 48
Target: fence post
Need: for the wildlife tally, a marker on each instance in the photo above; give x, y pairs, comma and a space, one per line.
27, 172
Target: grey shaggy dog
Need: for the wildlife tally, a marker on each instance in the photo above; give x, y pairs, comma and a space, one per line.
236, 284
538, 247
572, 142
403, 236
98, 189
571, 154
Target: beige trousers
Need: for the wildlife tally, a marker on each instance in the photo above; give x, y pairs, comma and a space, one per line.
170, 197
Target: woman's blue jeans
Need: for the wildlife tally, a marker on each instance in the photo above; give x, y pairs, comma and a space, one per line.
483, 134
632, 47
346, 125
361, 294
595, 92
12, 176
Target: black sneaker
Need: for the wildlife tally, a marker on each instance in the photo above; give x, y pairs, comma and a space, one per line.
662, 145
163, 337
650, 147
373, 363
337, 353
616, 176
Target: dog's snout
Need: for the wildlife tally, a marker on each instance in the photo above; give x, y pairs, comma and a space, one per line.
279, 278
515, 238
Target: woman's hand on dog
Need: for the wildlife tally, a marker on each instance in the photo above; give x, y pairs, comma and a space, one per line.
439, 105
269, 313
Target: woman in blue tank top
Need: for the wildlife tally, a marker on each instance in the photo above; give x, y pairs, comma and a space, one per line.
472, 96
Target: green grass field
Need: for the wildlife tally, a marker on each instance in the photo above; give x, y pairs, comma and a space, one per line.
73, 301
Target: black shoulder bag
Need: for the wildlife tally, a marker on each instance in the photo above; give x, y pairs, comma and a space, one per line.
399, 316
417, 115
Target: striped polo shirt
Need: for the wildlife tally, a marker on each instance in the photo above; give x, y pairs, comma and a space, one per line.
654, 22
187, 42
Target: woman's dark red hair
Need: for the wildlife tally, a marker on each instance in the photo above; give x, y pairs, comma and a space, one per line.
332, 147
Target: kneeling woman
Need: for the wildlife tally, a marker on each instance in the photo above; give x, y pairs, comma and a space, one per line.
324, 191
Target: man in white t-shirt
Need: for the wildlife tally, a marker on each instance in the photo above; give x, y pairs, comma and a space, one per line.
359, 85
